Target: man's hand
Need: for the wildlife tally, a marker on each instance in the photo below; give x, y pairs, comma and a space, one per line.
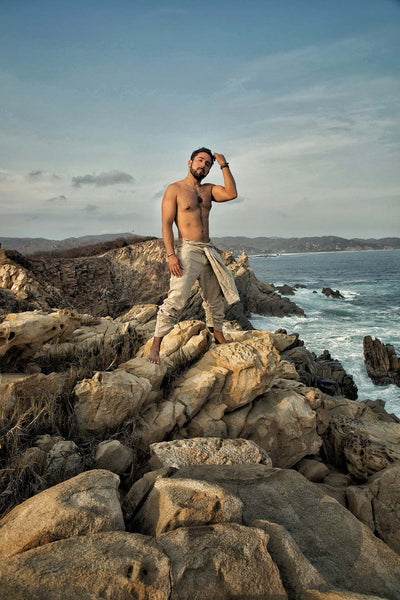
220, 158
175, 265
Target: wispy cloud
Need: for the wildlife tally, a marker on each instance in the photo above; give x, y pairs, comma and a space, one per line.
42, 176
60, 198
103, 179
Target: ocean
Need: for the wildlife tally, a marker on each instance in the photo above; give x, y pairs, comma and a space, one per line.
370, 284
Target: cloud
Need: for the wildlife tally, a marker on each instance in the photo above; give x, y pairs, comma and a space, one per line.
60, 198
103, 179
91, 208
41, 175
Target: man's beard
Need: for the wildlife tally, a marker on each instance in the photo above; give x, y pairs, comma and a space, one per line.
196, 175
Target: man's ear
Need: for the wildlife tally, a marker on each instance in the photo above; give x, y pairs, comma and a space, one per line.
190, 162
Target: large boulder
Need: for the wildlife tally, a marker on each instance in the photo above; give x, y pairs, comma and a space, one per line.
208, 451
342, 550
109, 399
116, 565
223, 561
283, 423
88, 503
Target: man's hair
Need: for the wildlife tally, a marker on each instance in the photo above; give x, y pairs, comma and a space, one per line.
206, 150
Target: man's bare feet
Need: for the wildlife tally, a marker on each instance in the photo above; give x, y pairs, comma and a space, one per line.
154, 355
219, 337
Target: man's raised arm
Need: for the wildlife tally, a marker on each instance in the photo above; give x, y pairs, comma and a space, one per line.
228, 191
168, 215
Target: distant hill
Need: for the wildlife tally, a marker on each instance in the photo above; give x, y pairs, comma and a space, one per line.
265, 246
234, 244
29, 246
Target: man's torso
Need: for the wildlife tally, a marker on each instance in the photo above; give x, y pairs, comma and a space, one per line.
193, 210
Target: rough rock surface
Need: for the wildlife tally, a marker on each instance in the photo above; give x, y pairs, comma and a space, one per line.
109, 565
207, 451
377, 504
88, 503
342, 550
330, 293
357, 438
383, 366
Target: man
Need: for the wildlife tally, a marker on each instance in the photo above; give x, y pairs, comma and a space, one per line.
187, 203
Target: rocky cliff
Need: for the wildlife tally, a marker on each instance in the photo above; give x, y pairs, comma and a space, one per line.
223, 472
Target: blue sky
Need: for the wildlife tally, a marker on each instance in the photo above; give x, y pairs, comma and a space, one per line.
101, 104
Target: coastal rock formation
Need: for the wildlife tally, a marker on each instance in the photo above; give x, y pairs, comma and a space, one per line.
111, 283
329, 293
383, 366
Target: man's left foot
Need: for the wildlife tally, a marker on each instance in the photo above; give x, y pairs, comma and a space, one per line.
220, 338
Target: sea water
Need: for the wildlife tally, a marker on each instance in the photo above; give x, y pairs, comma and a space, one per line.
370, 284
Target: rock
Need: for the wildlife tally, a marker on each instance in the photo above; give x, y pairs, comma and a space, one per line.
377, 504
223, 561
87, 503
285, 290
207, 451
113, 456
358, 439
297, 573
45, 442
313, 470
304, 362
332, 379
140, 490
63, 461
382, 364
174, 503
159, 420
343, 551
188, 341
97, 566
108, 400
337, 595
23, 334
284, 425
329, 293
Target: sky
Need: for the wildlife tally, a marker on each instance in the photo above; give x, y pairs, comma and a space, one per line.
102, 103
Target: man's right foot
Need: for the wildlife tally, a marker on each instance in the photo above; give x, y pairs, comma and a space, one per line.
154, 356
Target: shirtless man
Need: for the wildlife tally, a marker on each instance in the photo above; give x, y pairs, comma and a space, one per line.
187, 203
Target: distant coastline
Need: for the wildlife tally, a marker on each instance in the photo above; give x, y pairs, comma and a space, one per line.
258, 246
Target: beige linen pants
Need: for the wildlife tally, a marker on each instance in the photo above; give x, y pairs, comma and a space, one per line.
196, 266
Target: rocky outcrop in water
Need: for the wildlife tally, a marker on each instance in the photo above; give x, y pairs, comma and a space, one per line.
382, 364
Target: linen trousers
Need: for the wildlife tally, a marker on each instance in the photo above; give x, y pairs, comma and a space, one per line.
196, 266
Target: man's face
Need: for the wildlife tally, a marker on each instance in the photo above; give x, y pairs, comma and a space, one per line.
200, 166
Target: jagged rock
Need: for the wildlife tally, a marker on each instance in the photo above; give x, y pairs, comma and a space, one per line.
159, 420
223, 561
284, 425
174, 503
259, 297
304, 362
329, 293
337, 595
207, 451
383, 366
23, 334
20, 275
113, 456
342, 550
377, 504
187, 342
116, 565
358, 439
285, 290
108, 400
46, 442
333, 379
63, 459
313, 470
87, 503
9, 303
